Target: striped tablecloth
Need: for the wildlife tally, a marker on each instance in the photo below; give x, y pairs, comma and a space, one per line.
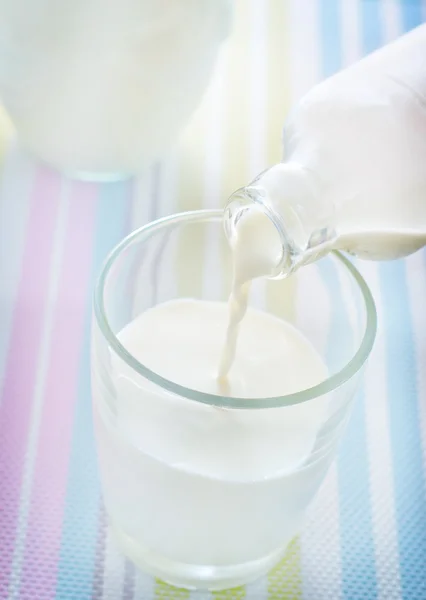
365, 536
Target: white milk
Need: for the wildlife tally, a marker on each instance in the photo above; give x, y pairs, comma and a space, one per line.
200, 493
103, 86
250, 260
354, 176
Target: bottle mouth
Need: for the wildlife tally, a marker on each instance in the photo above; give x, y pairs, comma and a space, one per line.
251, 200
294, 246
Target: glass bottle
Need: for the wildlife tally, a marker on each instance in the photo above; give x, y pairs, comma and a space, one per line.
354, 178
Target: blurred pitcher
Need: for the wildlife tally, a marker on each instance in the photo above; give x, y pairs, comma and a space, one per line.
98, 87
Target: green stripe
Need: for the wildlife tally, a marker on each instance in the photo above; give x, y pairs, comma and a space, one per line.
285, 580
238, 593
164, 591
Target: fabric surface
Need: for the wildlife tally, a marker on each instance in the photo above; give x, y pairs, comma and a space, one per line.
365, 535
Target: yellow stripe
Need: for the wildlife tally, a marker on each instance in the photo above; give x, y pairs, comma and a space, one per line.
236, 118
232, 594
190, 170
236, 73
163, 591
280, 299
278, 76
6, 132
285, 581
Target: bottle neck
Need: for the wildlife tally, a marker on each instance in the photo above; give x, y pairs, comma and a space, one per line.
291, 198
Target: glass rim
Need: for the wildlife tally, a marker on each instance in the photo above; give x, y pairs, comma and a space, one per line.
325, 387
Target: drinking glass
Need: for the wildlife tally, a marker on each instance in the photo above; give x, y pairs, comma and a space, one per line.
186, 500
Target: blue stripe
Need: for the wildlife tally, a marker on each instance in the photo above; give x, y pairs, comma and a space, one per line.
80, 528
356, 532
408, 472
412, 13
409, 481
330, 23
371, 23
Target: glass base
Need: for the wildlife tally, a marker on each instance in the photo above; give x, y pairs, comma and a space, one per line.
191, 577
80, 175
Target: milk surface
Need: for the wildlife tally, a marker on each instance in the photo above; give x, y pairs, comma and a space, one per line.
186, 338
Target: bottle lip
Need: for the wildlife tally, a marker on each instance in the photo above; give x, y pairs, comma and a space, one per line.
255, 197
290, 181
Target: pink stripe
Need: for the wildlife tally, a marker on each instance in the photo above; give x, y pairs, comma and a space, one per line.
21, 367
129, 581
98, 577
51, 469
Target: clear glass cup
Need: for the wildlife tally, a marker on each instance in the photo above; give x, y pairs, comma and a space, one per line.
172, 510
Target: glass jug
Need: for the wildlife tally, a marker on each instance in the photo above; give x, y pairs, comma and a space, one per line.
98, 87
